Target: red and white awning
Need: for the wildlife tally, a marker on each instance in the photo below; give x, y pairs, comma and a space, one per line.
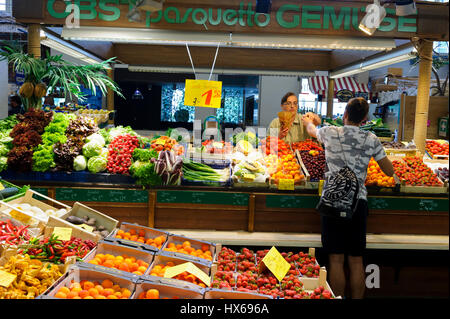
319, 85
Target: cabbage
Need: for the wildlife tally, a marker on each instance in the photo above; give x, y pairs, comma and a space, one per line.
97, 164
3, 163
4, 150
79, 163
92, 149
96, 138
104, 153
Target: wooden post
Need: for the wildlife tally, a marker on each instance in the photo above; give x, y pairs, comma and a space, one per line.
423, 93
34, 40
330, 97
251, 213
151, 208
110, 94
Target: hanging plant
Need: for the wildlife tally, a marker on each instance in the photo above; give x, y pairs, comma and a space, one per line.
56, 72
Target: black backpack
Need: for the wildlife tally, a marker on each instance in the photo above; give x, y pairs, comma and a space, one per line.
340, 192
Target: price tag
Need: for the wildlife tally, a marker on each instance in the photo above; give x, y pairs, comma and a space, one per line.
321, 187
277, 265
160, 142
63, 233
20, 216
190, 268
286, 184
203, 93
6, 279
87, 227
249, 177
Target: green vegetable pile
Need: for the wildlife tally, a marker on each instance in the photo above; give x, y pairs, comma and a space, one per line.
143, 168
193, 171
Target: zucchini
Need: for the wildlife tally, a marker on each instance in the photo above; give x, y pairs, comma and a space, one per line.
8, 192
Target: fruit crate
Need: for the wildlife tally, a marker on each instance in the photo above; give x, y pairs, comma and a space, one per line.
194, 244
104, 247
213, 293
309, 284
7, 208
169, 290
437, 157
76, 231
6, 195
309, 183
80, 210
162, 259
400, 152
77, 273
147, 231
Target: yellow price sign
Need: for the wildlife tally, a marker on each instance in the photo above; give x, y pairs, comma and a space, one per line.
6, 279
20, 216
190, 268
63, 233
277, 265
321, 186
160, 142
286, 184
203, 93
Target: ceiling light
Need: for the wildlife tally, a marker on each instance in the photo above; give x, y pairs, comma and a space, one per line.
137, 95
65, 47
169, 37
377, 61
375, 13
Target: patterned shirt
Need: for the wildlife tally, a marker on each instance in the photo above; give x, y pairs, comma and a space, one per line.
296, 133
356, 153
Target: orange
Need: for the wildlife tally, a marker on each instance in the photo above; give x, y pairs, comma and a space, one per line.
171, 245
76, 297
109, 257
99, 288
152, 294
134, 237
64, 290
124, 267
72, 295
88, 297
107, 283
141, 233
101, 257
100, 297
141, 240
126, 293
186, 244
137, 273
74, 285
88, 285
129, 261
107, 292
119, 236
158, 241
134, 267
133, 232
93, 292
112, 297
116, 288
120, 232
142, 269
83, 293
109, 263
141, 295
60, 294
77, 289
118, 294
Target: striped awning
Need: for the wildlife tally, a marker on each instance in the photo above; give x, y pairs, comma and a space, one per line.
319, 85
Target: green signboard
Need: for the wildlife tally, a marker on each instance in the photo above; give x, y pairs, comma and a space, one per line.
101, 195
196, 197
288, 16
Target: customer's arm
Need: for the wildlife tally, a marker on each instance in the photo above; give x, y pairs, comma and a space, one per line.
386, 166
311, 129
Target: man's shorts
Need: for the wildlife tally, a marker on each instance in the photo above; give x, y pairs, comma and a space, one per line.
340, 236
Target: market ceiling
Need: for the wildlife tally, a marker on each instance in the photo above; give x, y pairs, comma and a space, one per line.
290, 19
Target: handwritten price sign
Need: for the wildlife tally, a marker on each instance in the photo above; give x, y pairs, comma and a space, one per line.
203, 93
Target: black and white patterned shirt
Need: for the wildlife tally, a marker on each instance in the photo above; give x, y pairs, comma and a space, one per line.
358, 146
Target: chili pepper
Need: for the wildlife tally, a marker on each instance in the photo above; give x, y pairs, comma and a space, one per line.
39, 251
51, 250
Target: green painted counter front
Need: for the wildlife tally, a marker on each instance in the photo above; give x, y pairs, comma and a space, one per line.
101, 195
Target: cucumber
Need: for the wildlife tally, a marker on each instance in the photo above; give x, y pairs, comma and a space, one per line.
8, 192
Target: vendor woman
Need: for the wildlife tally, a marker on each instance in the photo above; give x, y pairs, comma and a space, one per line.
293, 131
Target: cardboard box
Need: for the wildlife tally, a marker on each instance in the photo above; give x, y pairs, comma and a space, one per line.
78, 273
149, 233
104, 247
197, 244
169, 290
395, 71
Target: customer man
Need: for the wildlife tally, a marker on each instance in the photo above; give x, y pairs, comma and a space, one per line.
342, 238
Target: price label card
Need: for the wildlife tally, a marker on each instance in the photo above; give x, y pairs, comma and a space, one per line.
63, 233
321, 187
87, 227
6, 279
20, 216
190, 268
286, 184
203, 93
160, 142
277, 265
1, 186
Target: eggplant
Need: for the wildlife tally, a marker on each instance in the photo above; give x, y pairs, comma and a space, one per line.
160, 167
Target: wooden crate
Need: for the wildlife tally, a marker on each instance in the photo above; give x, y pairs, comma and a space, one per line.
169, 290
401, 151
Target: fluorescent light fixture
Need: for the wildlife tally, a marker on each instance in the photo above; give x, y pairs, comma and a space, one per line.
203, 38
168, 69
375, 13
379, 60
65, 47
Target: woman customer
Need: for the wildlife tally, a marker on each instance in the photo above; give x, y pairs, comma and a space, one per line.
351, 146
